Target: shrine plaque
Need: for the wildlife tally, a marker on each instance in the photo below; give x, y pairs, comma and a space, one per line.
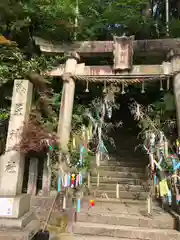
123, 53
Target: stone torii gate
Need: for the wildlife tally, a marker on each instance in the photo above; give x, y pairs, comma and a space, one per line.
122, 50
15, 211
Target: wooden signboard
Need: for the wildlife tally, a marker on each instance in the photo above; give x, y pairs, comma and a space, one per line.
123, 53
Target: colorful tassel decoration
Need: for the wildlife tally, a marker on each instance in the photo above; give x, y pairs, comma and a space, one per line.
59, 183
155, 180
169, 197
78, 205
66, 180
77, 180
73, 177
80, 179
69, 180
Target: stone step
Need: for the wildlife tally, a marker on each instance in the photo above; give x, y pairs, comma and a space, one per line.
162, 221
117, 174
120, 206
108, 180
120, 164
88, 237
121, 168
84, 237
105, 203
124, 231
122, 187
122, 194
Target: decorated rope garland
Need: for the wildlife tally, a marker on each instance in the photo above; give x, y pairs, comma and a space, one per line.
156, 146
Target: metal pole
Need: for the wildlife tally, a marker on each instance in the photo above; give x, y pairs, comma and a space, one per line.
167, 18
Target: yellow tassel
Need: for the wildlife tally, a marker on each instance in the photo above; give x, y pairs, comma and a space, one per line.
163, 188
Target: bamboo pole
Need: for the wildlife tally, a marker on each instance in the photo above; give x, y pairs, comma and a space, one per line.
89, 180
117, 190
97, 179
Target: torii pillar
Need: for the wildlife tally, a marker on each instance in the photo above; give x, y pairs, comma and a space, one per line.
175, 65
67, 101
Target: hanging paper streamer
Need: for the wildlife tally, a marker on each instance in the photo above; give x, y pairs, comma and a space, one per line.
104, 89
103, 149
73, 177
80, 178
87, 87
69, 180
78, 209
82, 152
155, 180
123, 90
59, 184
77, 180
161, 85
178, 198
108, 101
66, 180
169, 197
158, 165
176, 165
142, 88
163, 188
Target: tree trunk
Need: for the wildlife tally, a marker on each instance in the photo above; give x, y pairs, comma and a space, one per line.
32, 180
46, 181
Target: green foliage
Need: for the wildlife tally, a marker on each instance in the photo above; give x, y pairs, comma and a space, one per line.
162, 113
75, 160
4, 114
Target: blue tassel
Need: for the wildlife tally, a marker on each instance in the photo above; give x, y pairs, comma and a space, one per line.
78, 205
69, 180
169, 197
155, 180
82, 151
177, 166
59, 184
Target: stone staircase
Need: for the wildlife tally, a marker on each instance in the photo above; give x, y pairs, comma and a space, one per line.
124, 218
